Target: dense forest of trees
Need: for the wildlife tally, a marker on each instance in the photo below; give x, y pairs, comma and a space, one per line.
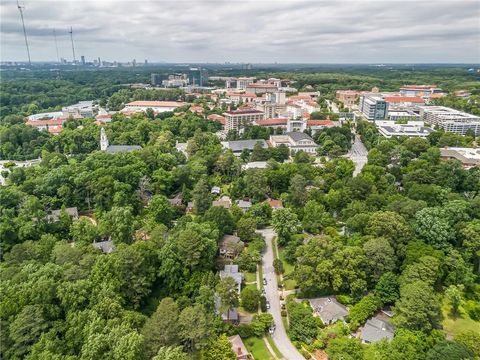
403, 234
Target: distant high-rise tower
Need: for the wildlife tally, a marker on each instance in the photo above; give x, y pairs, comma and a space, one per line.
134, 62
83, 59
103, 140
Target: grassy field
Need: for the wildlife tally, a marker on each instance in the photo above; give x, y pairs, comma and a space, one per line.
250, 277
256, 346
288, 268
454, 325
277, 352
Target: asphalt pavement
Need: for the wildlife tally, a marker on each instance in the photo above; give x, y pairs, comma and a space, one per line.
279, 337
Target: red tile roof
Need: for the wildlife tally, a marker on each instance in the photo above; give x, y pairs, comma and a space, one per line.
241, 95
55, 129
262, 86
300, 97
216, 117
267, 122
405, 99
51, 122
275, 204
320, 123
313, 103
144, 103
418, 87
196, 108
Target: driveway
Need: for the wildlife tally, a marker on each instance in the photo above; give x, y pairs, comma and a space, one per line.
280, 337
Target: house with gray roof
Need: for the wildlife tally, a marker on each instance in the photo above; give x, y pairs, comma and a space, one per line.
328, 309
54, 215
245, 205
105, 246
232, 271
105, 146
376, 329
237, 146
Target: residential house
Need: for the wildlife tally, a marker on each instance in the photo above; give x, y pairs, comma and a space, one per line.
328, 309
274, 204
238, 146
105, 246
244, 205
230, 246
376, 329
54, 215
239, 348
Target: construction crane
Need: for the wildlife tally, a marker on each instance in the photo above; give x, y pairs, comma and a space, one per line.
56, 44
73, 48
20, 8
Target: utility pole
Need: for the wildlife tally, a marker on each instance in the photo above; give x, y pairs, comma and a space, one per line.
56, 44
73, 48
20, 8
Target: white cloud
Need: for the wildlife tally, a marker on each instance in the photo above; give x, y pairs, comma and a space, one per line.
249, 31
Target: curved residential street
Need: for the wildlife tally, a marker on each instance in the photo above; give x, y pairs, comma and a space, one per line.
280, 337
358, 154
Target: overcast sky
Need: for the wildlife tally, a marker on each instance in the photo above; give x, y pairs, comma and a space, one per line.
361, 31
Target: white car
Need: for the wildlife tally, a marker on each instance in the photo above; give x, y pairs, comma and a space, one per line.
272, 329
268, 305
264, 281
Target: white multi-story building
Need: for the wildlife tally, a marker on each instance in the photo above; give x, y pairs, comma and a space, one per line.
85, 109
156, 106
238, 119
261, 88
450, 120
373, 107
295, 141
390, 129
240, 98
243, 82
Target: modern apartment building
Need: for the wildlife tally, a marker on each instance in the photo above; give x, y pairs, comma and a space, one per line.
238, 119
243, 82
373, 107
450, 120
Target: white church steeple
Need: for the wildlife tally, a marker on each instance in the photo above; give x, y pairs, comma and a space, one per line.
103, 140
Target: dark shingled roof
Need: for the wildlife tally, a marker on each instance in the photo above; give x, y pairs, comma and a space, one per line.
122, 148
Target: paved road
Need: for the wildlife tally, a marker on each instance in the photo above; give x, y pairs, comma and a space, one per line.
358, 154
280, 337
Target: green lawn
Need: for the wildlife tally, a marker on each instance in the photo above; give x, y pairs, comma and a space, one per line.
250, 277
288, 268
274, 347
454, 325
256, 346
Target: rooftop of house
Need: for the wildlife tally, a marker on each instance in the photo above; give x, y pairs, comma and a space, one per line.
244, 204
298, 136
240, 145
238, 346
122, 148
266, 122
376, 329
105, 246
329, 309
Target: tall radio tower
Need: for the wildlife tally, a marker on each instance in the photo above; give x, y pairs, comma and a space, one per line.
20, 8
56, 44
73, 48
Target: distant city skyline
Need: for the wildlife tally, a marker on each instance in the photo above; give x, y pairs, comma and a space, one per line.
218, 31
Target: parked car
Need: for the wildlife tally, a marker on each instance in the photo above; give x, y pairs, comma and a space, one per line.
268, 305
272, 329
264, 281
